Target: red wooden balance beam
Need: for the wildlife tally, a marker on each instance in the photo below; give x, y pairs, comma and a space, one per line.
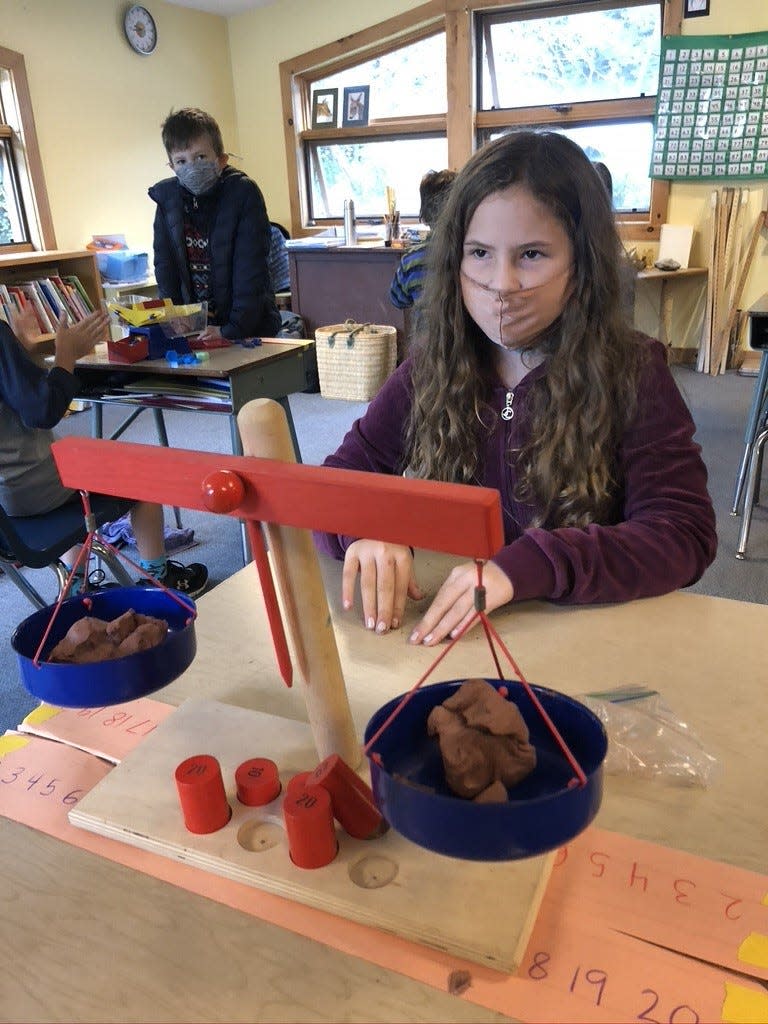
458, 519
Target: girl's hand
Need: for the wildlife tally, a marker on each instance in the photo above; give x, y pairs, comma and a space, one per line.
76, 340
454, 604
386, 580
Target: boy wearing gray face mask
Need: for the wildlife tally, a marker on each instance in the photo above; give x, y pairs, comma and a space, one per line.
211, 232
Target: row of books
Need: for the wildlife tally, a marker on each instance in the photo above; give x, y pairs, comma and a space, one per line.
49, 297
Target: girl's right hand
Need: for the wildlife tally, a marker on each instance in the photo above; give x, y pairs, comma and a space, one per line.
386, 581
78, 339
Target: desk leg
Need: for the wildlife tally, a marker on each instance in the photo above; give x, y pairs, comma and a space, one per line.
291, 427
97, 420
665, 319
162, 435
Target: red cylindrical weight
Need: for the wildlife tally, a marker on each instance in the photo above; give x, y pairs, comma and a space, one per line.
201, 794
308, 820
351, 798
257, 781
299, 780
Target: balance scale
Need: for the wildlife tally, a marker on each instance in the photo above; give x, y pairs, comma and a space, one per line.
481, 910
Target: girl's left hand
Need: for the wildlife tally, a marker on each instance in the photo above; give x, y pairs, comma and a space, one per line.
454, 604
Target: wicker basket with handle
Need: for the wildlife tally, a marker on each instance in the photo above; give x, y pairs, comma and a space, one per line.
354, 360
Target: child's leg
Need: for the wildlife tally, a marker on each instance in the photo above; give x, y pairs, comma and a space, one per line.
147, 523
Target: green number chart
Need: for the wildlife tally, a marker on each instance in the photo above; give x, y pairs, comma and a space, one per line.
712, 108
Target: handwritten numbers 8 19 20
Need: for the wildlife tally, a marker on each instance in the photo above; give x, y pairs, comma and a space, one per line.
592, 984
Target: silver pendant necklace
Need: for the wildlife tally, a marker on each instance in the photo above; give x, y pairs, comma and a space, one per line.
508, 412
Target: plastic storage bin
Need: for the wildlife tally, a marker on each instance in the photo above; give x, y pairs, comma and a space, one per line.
121, 265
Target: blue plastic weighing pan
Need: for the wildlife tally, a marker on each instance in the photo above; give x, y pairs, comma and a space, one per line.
542, 812
108, 682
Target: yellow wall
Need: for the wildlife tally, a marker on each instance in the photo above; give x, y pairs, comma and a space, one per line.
260, 40
98, 106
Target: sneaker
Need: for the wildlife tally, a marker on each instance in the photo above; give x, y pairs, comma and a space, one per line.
187, 579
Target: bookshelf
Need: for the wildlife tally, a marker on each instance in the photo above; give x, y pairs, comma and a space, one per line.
24, 266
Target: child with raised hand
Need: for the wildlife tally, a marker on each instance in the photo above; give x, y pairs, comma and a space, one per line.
33, 399
526, 377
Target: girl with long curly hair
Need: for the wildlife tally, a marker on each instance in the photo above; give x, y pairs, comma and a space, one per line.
525, 376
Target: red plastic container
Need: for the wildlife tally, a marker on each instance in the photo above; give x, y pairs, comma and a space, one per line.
132, 349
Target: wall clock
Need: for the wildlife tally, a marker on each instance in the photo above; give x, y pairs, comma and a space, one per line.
140, 29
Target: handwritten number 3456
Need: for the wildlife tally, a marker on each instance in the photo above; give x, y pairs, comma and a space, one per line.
35, 784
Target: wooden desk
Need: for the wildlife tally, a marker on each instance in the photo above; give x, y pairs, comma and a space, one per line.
274, 369
85, 939
330, 285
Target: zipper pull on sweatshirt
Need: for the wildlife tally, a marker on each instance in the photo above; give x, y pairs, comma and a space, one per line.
508, 412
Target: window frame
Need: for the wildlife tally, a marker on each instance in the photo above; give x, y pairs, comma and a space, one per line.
299, 75
19, 128
463, 124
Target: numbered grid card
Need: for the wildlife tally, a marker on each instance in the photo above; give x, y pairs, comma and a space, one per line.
109, 732
712, 108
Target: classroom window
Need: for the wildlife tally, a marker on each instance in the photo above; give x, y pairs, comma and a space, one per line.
362, 171
405, 82
590, 73
13, 222
401, 137
446, 77
25, 218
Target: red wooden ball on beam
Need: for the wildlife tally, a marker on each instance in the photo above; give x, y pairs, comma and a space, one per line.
223, 491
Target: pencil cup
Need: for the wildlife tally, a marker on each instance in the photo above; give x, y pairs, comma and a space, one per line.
201, 794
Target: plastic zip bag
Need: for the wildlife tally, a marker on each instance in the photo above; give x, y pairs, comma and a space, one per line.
647, 740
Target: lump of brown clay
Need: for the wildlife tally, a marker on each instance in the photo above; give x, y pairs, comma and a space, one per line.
483, 741
91, 639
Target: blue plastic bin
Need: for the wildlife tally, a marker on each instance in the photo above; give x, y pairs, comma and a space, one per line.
123, 265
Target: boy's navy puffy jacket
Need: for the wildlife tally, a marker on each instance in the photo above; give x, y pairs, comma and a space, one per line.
239, 240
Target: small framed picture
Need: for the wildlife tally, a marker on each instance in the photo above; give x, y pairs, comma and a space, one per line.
695, 8
354, 114
325, 108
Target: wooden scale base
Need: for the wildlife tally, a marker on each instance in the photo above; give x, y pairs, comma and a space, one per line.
479, 911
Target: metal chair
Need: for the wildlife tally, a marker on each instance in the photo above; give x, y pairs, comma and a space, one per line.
751, 464
34, 542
